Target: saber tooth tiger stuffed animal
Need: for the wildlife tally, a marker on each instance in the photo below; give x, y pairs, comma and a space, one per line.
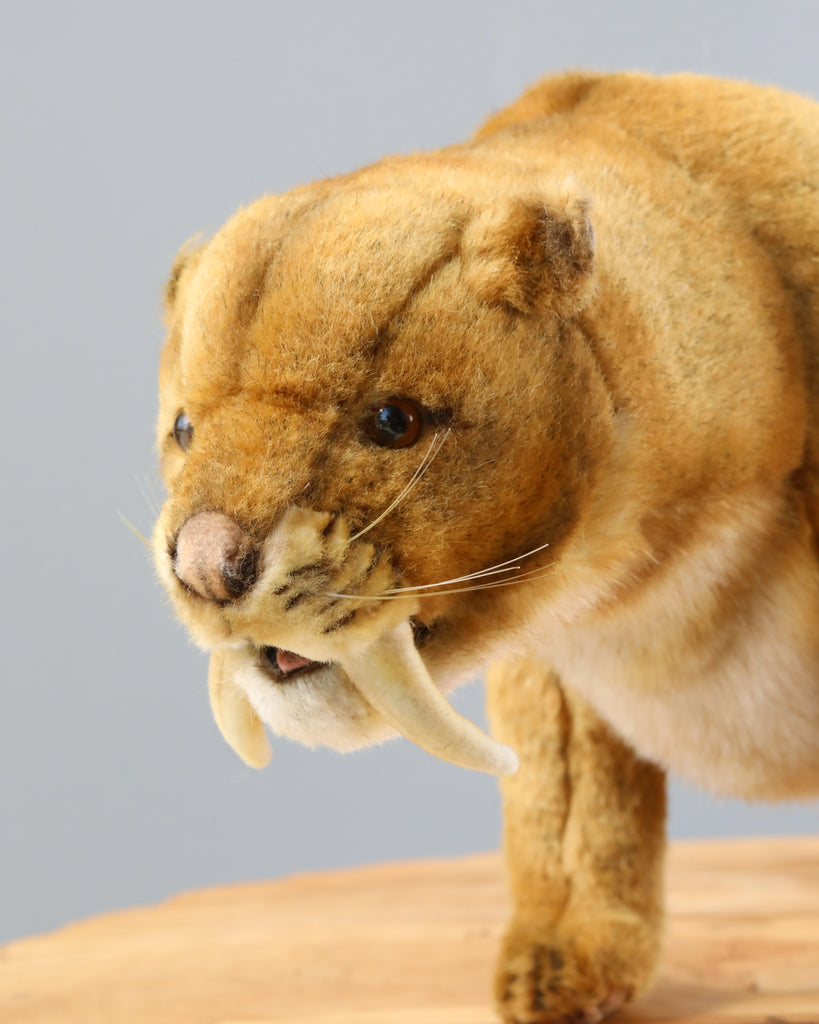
546, 401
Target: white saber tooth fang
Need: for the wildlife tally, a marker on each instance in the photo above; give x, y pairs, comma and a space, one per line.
391, 675
235, 716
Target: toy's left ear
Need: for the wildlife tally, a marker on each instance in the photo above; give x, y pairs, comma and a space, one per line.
187, 257
529, 253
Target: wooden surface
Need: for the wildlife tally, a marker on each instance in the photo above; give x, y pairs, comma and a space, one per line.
414, 944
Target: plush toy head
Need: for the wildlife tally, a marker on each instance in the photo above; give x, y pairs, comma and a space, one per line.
375, 419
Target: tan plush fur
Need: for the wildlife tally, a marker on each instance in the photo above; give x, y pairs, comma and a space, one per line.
607, 304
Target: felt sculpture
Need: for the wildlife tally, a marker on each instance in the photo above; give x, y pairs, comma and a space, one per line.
547, 400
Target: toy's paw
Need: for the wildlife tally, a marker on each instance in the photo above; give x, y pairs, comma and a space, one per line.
576, 975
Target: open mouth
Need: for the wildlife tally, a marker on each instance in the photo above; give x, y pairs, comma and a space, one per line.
354, 696
281, 665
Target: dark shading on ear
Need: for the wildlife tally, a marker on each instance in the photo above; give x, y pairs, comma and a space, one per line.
530, 252
188, 255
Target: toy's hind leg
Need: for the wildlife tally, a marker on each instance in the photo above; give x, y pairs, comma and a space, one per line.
584, 839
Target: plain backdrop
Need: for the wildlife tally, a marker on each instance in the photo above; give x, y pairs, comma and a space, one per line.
126, 128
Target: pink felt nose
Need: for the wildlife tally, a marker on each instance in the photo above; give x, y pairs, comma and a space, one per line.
215, 557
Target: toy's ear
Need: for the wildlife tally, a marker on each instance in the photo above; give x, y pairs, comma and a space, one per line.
528, 252
187, 257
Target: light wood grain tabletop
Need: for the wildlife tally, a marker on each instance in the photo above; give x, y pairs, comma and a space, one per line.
413, 943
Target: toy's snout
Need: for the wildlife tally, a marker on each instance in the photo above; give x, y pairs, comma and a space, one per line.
313, 612
214, 557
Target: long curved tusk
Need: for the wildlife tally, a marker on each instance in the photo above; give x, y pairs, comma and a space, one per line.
394, 679
234, 714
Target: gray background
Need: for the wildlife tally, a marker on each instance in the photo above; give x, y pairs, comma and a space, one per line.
126, 129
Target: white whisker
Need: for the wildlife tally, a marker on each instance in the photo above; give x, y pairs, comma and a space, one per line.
424, 465
152, 492
493, 570
151, 505
524, 577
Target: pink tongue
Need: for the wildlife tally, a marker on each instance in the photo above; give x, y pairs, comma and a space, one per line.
287, 660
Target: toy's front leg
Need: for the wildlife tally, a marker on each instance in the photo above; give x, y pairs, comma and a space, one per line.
584, 840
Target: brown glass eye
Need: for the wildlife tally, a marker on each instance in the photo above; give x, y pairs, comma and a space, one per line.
395, 424
183, 430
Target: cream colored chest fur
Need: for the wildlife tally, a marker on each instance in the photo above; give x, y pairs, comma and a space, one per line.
730, 701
